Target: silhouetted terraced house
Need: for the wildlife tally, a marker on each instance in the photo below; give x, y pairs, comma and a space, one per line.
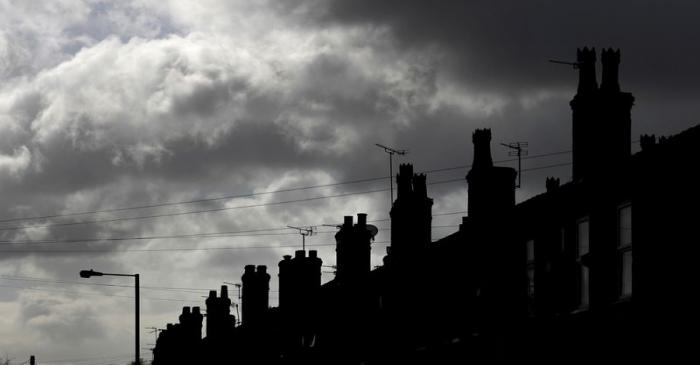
599, 268
180, 342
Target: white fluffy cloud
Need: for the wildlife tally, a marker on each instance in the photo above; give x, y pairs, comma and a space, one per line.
109, 104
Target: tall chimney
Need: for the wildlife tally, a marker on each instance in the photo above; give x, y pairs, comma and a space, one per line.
285, 284
353, 250
491, 189
423, 213
601, 118
403, 181
185, 316
263, 279
248, 293
481, 138
212, 313
315, 268
197, 318
299, 282
411, 215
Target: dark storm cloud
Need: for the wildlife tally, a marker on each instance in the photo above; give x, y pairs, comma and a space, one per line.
504, 45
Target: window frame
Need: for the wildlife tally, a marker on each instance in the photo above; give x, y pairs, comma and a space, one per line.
583, 270
530, 259
624, 249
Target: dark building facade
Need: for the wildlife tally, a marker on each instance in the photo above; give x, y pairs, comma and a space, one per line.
599, 268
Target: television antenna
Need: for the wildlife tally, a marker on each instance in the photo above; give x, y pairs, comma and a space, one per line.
238, 287
304, 231
155, 330
517, 150
391, 152
575, 65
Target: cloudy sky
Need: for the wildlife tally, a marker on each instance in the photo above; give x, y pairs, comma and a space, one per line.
234, 104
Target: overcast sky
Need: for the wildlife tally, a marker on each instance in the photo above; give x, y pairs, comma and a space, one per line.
113, 104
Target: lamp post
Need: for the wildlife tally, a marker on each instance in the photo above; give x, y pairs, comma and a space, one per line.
88, 273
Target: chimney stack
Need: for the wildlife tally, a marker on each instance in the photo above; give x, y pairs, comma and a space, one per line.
601, 118
491, 189
411, 214
256, 290
353, 250
197, 318
299, 282
219, 318
481, 138
403, 181
552, 184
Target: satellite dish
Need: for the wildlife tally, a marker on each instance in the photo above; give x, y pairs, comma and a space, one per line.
373, 230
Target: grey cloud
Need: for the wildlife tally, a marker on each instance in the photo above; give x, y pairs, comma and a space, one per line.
54, 319
37, 309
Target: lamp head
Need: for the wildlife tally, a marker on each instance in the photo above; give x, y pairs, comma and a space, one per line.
89, 273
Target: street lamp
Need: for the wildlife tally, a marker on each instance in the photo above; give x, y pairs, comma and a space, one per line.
88, 273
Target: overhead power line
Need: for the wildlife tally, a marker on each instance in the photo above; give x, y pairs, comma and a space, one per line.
238, 207
236, 196
68, 282
242, 233
225, 248
97, 294
146, 287
190, 212
82, 359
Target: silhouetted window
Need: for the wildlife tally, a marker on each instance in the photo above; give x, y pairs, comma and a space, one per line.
624, 246
562, 241
582, 248
530, 248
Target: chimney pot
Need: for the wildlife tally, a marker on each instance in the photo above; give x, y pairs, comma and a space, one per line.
552, 184
361, 219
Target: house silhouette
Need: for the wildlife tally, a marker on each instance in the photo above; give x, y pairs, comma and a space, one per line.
598, 268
